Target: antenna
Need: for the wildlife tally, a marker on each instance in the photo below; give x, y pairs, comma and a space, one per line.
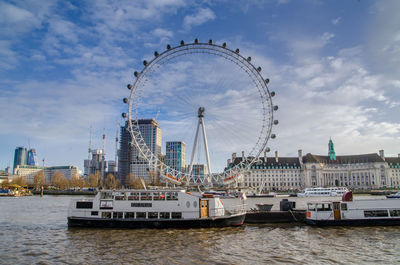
116, 144
158, 112
90, 142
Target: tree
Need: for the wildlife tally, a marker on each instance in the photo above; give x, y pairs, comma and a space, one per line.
110, 182
59, 180
95, 180
134, 182
38, 180
5, 183
76, 181
20, 181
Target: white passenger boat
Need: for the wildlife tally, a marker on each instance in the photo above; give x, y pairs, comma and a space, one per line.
154, 209
358, 212
331, 191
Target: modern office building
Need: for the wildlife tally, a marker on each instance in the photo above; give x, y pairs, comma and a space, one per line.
31, 159
130, 160
199, 171
67, 171
29, 172
96, 164
175, 155
19, 156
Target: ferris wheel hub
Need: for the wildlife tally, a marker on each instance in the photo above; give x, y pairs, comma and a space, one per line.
201, 112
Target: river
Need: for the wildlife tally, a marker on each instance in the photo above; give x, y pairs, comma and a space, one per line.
33, 230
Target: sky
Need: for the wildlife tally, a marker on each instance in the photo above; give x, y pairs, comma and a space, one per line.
334, 65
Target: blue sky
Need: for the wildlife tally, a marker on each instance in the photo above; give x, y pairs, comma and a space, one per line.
64, 66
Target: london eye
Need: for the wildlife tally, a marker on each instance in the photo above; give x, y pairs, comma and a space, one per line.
209, 87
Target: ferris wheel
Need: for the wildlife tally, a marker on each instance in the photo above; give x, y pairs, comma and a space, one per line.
227, 108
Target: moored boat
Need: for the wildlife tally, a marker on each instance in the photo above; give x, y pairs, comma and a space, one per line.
154, 209
331, 191
394, 196
357, 212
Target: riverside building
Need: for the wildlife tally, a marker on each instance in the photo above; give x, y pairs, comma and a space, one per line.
363, 171
271, 173
129, 156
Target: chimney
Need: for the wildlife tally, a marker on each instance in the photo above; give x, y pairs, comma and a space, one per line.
242, 155
398, 155
265, 156
276, 157
382, 154
300, 153
233, 157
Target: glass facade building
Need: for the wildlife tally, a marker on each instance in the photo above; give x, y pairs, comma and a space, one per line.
175, 155
20, 156
129, 160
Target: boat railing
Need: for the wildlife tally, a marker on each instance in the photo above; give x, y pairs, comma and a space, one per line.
236, 209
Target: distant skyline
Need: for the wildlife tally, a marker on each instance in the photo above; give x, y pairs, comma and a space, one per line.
64, 66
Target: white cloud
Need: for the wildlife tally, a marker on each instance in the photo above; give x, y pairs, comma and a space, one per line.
202, 16
162, 33
336, 20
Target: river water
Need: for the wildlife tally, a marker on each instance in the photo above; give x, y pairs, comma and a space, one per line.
33, 230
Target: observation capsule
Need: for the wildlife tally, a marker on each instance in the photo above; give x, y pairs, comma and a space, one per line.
125, 100
123, 115
129, 86
276, 122
275, 108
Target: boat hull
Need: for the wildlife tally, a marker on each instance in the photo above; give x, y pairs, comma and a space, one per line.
234, 220
260, 217
354, 222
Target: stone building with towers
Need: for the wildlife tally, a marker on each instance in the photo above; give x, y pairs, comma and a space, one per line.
363, 171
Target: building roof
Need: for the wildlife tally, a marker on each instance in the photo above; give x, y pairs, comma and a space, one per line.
349, 159
283, 162
393, 161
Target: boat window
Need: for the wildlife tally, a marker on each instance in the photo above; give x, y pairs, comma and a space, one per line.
118, 215
140, 215
106, 215
376, 213
172, 196
106, 195
394, 212
164, 215
129, 215
152, 215
176, 215
146, 196
106, 204
156, 196
134, 196
311, 207
324, 207
141, 204
119, 197
343, 206
84, 205
95, 213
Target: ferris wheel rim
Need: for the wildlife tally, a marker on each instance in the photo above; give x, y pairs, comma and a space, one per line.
226, 53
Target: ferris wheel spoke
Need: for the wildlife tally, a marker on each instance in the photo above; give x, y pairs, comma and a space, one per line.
217, 126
